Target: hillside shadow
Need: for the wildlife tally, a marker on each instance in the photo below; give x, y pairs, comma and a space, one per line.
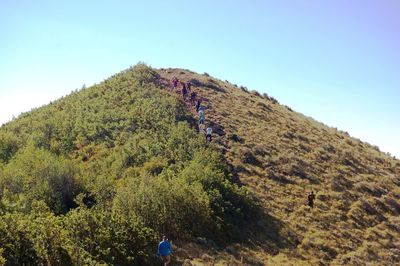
270, 234
210, 85
217, 128
267, 234
279, 178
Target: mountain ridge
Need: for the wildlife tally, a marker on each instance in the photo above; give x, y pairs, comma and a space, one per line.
275, 153
295, 163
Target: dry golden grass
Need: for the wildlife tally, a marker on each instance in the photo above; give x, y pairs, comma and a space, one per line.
281, 155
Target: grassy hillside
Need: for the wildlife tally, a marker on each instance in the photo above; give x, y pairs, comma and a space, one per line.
97, 176
281, 155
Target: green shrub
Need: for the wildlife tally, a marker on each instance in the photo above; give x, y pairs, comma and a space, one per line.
2, 259
34, 239
144, 74
102, 236
112, 166
8, 147
42, 176
231, 205
168, 206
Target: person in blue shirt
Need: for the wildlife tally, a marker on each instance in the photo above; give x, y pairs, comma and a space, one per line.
202, 116
209, 133
165, 250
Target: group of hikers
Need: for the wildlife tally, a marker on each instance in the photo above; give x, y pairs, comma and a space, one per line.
186, 89
189, 95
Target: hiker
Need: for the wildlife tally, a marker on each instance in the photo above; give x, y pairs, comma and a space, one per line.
198, 103
189, 85
165, 250
184, 91
193, 97
202, 116
209, 133
174, 83
311, 198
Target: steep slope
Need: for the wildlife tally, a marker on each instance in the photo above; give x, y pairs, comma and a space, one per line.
281, 155
98, 175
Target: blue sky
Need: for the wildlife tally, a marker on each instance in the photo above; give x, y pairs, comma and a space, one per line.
336, 61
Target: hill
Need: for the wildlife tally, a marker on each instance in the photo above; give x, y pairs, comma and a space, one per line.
97, 176
281, 155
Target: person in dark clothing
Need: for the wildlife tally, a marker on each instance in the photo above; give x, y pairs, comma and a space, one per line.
174, 83
311, 199
198, 104
189, 85
184, 91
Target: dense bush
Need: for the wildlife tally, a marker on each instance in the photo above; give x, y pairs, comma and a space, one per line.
97, 176
40, 175
173, 206
37, 238
103, 236
8, 146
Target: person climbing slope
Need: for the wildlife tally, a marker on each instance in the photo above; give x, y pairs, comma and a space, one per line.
174, 83
311, 199
209, 133
202, 116
184, 91
198, 104
189, 85
165, 250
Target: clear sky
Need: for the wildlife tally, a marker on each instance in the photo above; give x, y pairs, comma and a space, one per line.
337, 61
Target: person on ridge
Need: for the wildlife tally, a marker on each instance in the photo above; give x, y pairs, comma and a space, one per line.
202, 116
209, 133
310, 199
174, 83
184, 91
198, 103
189, 85
165, 250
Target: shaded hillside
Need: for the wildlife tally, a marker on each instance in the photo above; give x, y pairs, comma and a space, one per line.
281, 155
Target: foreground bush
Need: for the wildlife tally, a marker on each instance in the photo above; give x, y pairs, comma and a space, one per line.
40, 175
102, 236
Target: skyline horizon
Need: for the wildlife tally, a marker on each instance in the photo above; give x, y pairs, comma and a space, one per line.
15, 116
337, 62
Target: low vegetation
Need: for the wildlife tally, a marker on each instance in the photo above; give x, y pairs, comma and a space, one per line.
96, 177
